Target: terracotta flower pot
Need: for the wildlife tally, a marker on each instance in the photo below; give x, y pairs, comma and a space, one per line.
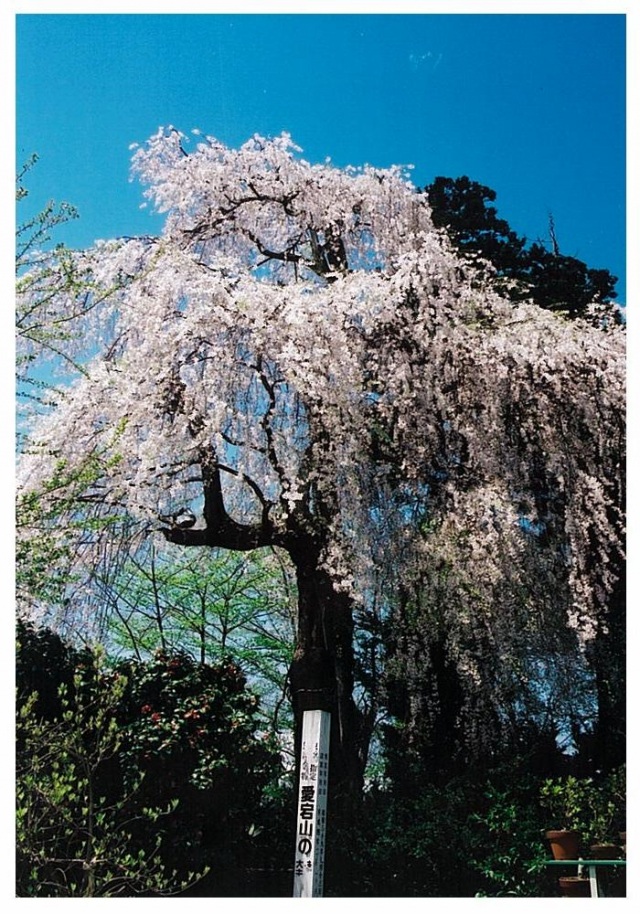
565, 844
605, 852
574, 887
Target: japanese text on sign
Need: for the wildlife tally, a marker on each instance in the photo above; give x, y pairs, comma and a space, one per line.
312, 805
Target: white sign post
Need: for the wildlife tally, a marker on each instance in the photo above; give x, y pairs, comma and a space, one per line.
308, 869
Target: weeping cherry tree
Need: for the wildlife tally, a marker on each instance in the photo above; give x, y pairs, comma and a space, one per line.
302, 361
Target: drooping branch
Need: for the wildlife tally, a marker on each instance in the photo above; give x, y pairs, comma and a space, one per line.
265, 423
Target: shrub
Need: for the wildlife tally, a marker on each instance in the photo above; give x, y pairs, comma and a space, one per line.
139, 779
503, 837
191, 730
74, 830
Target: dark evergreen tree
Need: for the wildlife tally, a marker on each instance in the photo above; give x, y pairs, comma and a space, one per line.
553, 280
464, 208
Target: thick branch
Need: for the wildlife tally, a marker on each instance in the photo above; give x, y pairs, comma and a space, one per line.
287, 256
221, 530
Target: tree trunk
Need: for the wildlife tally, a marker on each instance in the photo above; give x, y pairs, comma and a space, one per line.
321, 676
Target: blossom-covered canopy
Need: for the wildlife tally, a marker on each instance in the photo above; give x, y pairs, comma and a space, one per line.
301, 360
294, 329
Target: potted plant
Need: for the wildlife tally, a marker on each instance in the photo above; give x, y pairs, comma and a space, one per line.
605, 851
606, 808
564, 798
564, 843
574, 886
592, 809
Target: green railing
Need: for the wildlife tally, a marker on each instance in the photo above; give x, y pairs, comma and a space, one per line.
591, 866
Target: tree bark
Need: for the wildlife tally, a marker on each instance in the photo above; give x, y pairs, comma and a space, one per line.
321, 675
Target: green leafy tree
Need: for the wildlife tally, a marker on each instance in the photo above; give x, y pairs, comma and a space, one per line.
209, 604
54, 522
39, 329
48, 331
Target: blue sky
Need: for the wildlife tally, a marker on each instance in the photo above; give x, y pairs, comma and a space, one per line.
532, 105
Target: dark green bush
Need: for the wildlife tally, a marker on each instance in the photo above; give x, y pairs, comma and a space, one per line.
191, 730
153, 771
